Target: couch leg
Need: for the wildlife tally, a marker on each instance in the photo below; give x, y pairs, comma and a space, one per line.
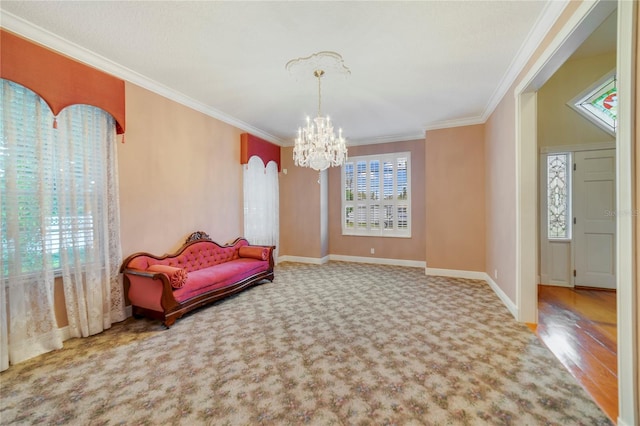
135, 312
168, 322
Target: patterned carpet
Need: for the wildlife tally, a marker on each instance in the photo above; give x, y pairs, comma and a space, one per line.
337, 344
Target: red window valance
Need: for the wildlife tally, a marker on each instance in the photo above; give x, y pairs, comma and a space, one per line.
252, 145
59, 80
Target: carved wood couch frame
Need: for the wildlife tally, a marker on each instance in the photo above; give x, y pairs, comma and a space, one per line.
198, 273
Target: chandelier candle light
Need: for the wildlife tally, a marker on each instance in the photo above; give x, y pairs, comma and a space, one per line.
316, 145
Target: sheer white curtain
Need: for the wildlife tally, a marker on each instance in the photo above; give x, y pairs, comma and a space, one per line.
28, 322
87, 200
59, 218
261, 203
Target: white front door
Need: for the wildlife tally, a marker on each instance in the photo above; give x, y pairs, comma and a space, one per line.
594, 229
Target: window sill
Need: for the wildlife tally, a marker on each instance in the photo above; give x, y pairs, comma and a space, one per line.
357, 234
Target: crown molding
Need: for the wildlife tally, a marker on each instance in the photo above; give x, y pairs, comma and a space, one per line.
543, 25
387, 139
458, 122
39, 35
375, 140
52, 41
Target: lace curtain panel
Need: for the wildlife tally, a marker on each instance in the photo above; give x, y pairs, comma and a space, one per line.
261, 203
90, 254
59, 219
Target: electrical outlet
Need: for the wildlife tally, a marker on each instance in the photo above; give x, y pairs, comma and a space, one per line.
495, 274
373, 251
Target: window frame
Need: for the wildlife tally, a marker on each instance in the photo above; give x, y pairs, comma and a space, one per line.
581, 105
368, 203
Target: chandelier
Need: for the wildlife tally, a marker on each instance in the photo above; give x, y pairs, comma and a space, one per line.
316, 145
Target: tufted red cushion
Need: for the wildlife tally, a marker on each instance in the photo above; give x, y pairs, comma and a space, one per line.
221, 276
201, 255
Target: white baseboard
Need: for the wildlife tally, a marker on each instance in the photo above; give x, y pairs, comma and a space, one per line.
378, 260
544, 279
471, 275
64, 333
354, 259
477, 275
503, 296
558, 284
301, 259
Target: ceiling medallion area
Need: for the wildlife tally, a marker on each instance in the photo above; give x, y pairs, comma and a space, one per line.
329, 62
316, 145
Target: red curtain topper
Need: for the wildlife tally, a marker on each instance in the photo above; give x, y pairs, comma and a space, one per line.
252, 145
59, 80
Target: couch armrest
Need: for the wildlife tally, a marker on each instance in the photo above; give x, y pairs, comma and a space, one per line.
141, 273
271, 250
151, 290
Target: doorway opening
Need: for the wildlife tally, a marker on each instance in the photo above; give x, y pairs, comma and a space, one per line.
587, 17
576, 319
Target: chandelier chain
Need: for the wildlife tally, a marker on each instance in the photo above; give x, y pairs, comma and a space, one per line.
319, 95
319, 74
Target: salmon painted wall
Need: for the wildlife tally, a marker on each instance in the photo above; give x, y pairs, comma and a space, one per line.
455, 198
500, 162
179, 172
300, 209
385, 247
500, 177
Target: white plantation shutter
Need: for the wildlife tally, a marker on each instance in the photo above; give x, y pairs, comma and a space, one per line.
26, 164
376, 195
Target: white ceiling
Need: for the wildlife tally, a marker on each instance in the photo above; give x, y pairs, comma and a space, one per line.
414, 65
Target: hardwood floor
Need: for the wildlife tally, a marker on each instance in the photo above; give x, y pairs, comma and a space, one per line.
579, 327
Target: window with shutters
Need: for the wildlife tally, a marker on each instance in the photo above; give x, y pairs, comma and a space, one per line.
376, 195
39, 163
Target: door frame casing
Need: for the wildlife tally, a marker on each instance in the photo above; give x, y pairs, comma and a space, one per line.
585, 19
